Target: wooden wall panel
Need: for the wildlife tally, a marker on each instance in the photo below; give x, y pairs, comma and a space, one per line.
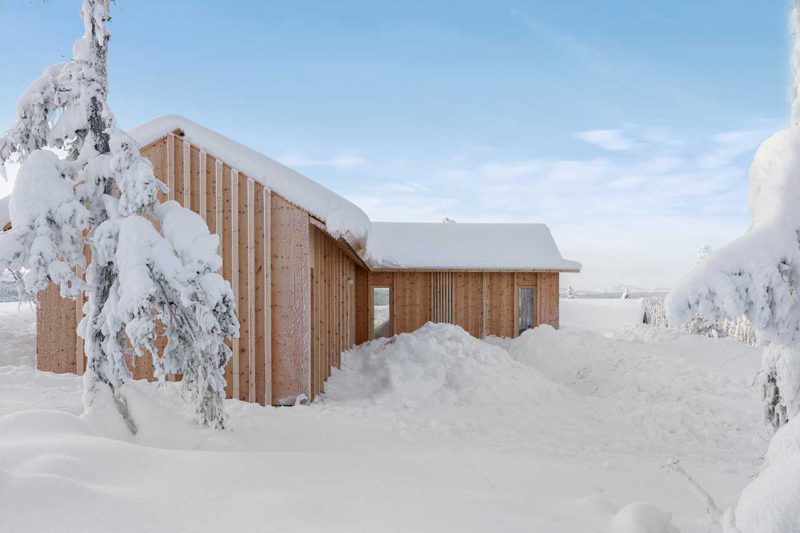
547, 299
225, 233
56, 336
411, 300
291, 305
258, 357
362, 311
468, 302
176, 191
332, 306
500, 320
242, 238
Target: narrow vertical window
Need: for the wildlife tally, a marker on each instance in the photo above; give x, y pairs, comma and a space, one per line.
381, 312
527, 309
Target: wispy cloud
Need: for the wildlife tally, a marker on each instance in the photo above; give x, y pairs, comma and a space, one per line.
613, 140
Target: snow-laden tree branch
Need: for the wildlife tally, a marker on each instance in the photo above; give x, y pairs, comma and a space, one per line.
142, 278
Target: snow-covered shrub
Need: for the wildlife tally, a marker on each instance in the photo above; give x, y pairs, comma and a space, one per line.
144, 278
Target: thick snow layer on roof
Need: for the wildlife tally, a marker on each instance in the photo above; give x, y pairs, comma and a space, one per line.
5, 216
340, 216
465, 246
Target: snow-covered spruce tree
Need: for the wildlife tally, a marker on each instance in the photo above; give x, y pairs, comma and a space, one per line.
142, 277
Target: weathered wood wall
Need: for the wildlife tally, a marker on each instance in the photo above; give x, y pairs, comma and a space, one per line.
483, 303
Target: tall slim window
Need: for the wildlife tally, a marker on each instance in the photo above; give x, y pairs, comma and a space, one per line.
381, 312
527, 308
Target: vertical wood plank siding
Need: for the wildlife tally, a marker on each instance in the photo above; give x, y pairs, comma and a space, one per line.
301, 298
291, 303
483, 303
333, 306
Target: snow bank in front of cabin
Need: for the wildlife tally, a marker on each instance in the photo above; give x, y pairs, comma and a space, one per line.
637, 386
601, 314
341, 217
562, 432
437, 365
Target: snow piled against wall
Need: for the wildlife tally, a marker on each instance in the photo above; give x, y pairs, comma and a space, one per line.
559, 381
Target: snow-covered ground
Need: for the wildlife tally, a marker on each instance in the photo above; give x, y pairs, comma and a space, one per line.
434, 431
601, 314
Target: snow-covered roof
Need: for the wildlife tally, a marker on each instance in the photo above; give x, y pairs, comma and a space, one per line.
464, 246
342, 218
5, 217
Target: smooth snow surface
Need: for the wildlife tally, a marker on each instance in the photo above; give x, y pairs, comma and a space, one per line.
340, 216
456, 245
557, 432
601, 314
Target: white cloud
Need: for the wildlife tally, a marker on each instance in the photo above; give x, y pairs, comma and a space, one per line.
612, 140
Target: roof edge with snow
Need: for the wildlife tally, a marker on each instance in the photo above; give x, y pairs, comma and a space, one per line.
457, 246
342, 218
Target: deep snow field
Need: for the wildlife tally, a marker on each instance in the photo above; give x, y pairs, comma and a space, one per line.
434, 431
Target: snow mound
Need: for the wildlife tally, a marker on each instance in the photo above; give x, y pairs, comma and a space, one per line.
439, 364
692, 386
771, 502
642, 518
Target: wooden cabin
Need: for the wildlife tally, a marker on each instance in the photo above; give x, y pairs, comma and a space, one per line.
314, 276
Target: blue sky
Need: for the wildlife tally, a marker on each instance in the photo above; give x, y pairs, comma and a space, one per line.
627, 126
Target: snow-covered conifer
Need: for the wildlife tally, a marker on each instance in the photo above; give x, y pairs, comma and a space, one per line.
570, 294
104, 195
758, 275
625, 294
